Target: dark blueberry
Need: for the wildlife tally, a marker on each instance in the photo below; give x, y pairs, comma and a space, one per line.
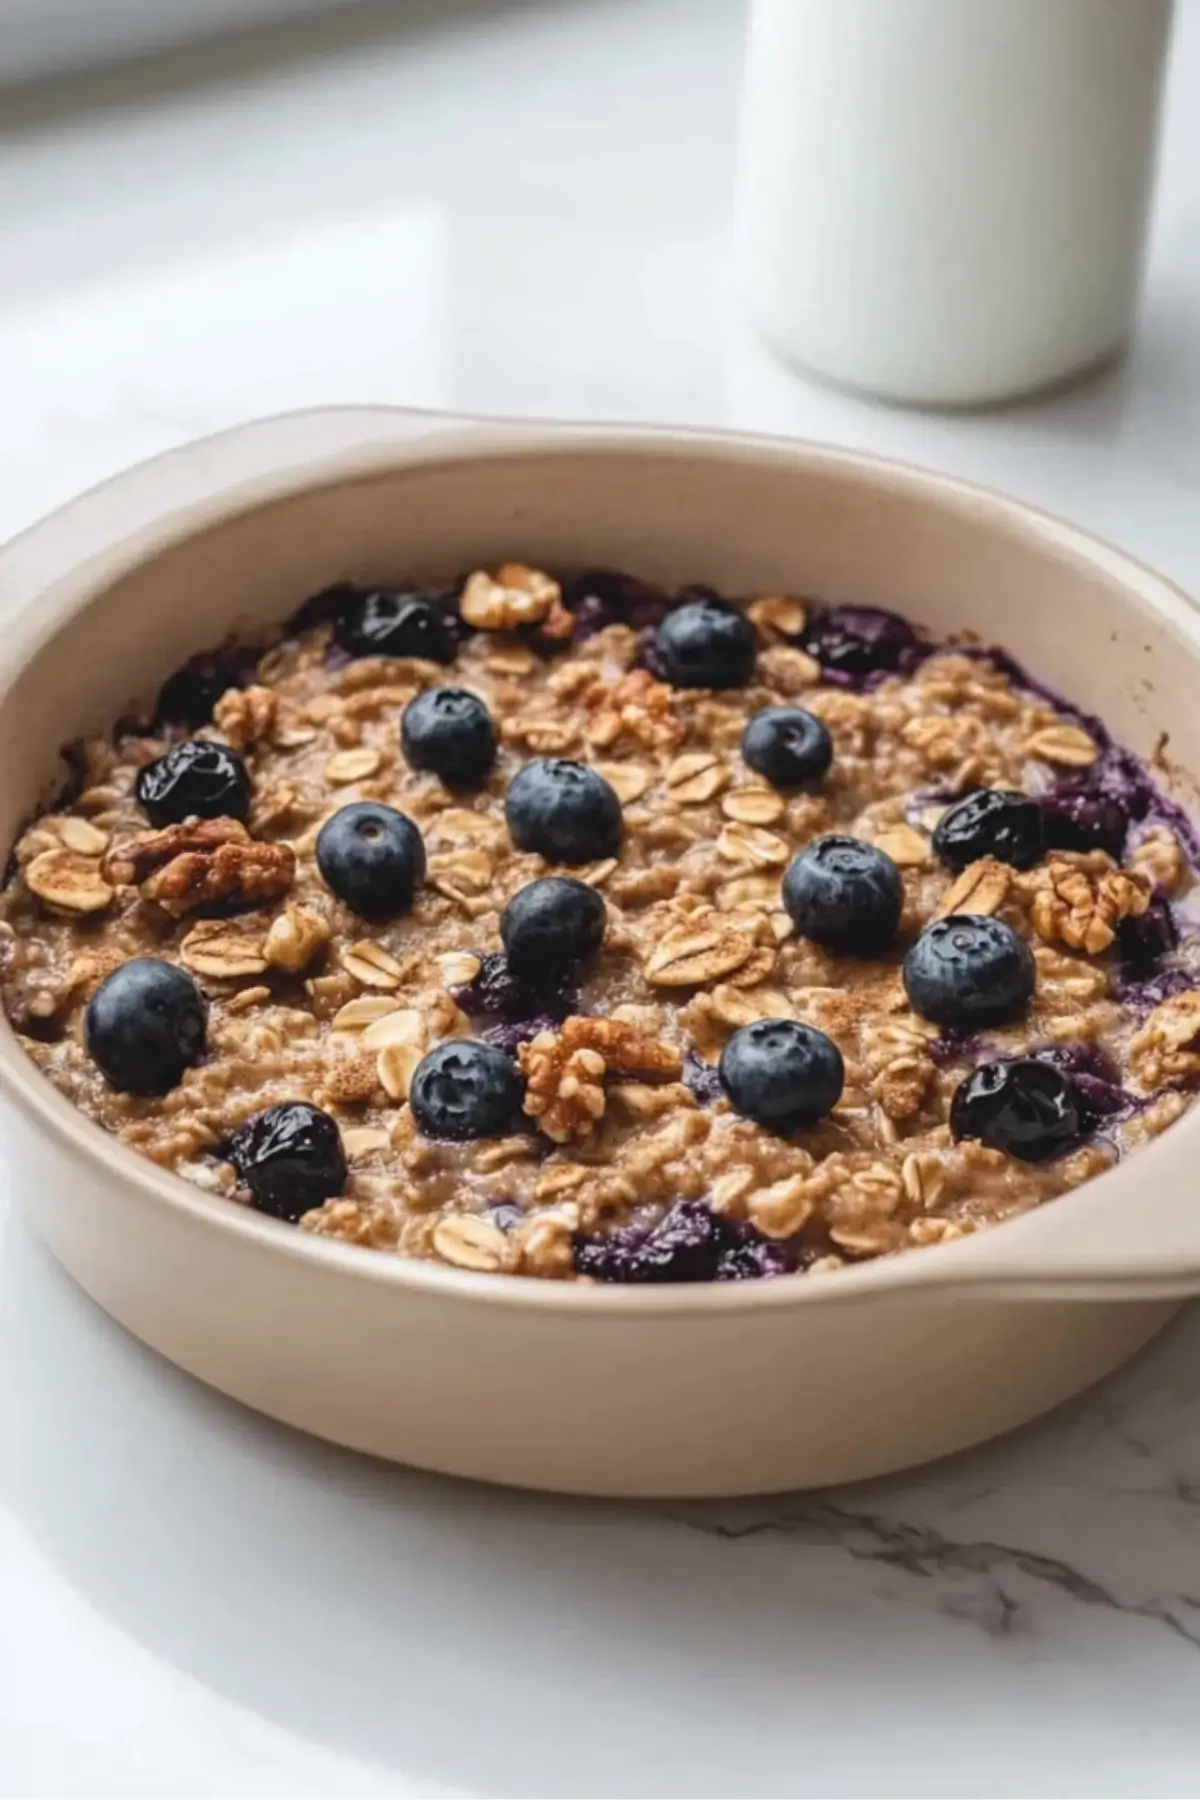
706, 644
391, 622
701, 1078
563, 811
844, 895
991, 822
688, 1243
372, 857
450, 733
969, 971
1142, 942
145, 1024
550, 926
787, 745
781, 1073
497, 992
1022, 1106
854, 643
602, 597
465, 1089
195, 780
1076, 818
187, 698
290, 1157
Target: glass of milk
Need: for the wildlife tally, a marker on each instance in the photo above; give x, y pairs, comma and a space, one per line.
944, 202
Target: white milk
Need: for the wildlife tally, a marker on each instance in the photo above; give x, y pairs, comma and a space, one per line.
945, 201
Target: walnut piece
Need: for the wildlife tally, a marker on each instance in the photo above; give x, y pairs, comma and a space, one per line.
1159, 855
1167, 1047
897, 1065
1081, 905
636, 704
131, 861
564, 1071
231, 875
294, 939
514, 596
245, 715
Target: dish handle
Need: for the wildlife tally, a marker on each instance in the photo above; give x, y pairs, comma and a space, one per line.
1130, 1234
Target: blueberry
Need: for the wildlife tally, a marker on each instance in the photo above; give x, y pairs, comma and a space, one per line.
991, 822
290, 1157
706, 644
1142, 942
688, 1243
372, 857
187, 698
465, 1089
449, 732
787, 745
968, 971
844, 895
551, 925
564, 811
197, 779
854, 643
781, 1073
391, 622
145, 1024
1023, 1106
602, 597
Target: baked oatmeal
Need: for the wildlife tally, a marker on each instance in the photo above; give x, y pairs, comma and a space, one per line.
580, 930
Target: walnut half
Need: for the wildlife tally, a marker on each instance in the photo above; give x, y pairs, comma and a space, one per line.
1081, 903
565, 1070
200, 863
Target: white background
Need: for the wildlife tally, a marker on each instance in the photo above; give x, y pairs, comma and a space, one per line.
528, 209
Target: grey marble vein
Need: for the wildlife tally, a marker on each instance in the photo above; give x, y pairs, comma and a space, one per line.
925, 1553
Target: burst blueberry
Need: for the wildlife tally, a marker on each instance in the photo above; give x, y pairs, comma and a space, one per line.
855, 644
996, 822
550, 926
690, 1242
197, 779
395, 622
1023, 1106
845, 895
969, 971
706, 644
787, 746
290, 1157
563, 811
782, 1073
466, 1089
372, 857
449, 732
145, 1024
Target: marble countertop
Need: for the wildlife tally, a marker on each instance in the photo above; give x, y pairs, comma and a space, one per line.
527, 209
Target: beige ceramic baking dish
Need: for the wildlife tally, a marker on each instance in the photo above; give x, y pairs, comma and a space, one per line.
734, 1388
